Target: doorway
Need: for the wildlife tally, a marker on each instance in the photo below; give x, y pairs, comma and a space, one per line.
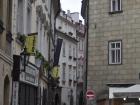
6, 91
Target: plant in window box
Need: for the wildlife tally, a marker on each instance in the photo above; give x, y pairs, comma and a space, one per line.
21, 37
46, 65
39, 57
1, 26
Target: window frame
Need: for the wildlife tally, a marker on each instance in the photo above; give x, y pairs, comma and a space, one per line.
117, 9
20, 17
64, 49
64, 72
114, 49
70, 72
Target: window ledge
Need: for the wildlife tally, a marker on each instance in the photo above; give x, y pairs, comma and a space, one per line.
115, 12
114, 64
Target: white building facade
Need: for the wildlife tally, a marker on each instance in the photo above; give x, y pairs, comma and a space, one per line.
66, 30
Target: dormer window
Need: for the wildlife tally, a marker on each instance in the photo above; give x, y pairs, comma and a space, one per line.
116, 6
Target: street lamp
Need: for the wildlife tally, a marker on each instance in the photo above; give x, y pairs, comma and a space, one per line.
24, 59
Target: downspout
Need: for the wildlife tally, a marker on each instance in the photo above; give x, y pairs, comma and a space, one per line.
87, 48
50, 33
49, 49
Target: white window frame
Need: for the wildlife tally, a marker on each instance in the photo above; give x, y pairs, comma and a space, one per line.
117, 58
117, 5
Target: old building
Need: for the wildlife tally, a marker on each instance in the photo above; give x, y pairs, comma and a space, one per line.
66, 30
113, 50
80, 34
5, 51
32, 79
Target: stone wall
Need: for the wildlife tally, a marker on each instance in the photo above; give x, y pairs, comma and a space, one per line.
104, 27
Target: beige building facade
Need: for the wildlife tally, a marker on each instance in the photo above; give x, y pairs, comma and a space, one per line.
113, 49
5, 52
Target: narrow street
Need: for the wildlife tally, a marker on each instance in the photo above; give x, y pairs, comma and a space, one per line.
70, 52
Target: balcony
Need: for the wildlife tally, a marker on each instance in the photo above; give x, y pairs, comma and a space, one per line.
20, 39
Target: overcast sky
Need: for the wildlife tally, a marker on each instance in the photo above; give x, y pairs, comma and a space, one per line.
72, 5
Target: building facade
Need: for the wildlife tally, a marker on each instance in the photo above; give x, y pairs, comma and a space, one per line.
5, 52
66, 30
37, 19
113, 50
80, 34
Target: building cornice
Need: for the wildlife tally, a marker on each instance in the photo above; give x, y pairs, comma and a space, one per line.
67, 21
65, 35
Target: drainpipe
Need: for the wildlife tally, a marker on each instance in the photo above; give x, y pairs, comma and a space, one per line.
49, 49
87, 48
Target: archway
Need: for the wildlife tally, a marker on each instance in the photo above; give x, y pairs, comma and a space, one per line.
6, 91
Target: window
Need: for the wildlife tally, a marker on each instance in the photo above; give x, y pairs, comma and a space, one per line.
70, 50
20, 22
74, 73
9, 15
64, 71
64, 50
116, 5
70, 72
115, 55
1, 9
74, 52
28, 27
81, 45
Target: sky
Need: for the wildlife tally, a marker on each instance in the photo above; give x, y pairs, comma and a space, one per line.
72, 5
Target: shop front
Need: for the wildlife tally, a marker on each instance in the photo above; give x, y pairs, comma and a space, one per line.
124, 94
25, 83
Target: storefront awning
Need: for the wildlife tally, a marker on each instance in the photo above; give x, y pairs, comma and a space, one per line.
133, 91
